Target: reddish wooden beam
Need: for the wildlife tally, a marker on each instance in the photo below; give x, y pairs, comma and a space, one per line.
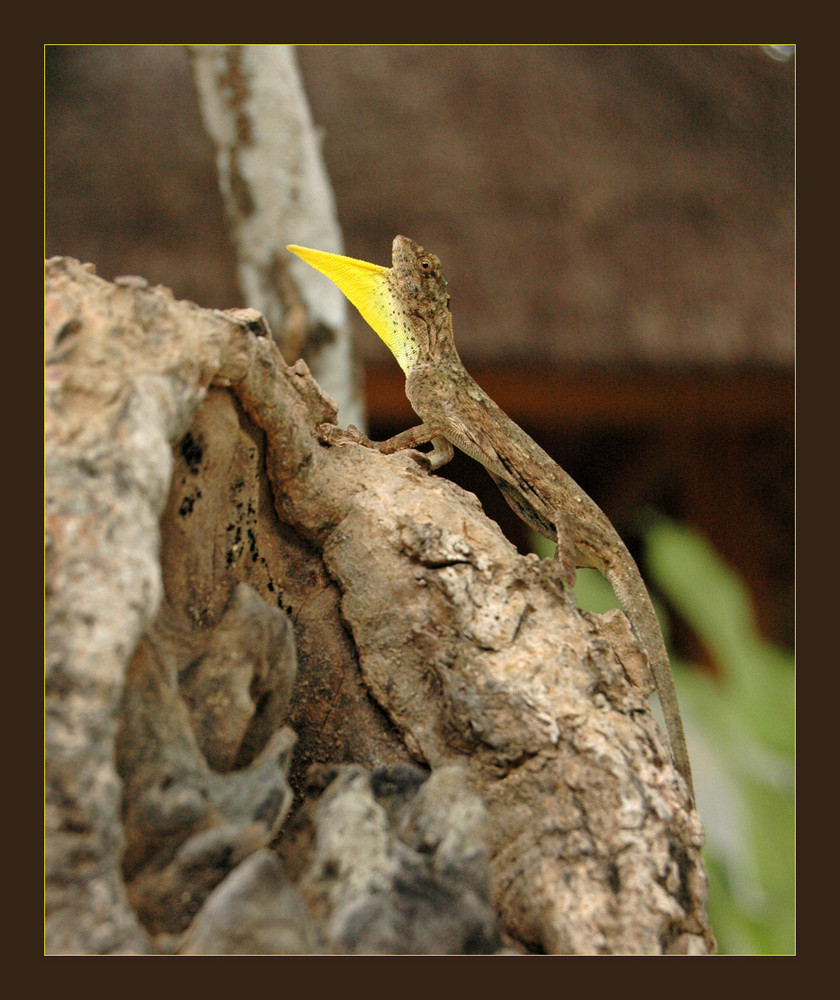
589, 397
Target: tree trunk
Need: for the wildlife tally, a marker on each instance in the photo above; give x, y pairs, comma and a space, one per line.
306, 697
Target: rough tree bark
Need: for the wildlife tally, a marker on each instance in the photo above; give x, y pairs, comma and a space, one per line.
307, 698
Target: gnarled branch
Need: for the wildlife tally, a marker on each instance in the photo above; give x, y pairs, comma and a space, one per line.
197, 519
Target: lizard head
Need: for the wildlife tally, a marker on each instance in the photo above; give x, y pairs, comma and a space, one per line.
406, 305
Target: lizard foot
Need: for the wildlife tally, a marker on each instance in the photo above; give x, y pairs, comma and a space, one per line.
566, 553
333, 434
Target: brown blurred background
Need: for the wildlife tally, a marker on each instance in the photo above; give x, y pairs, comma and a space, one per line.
616, 224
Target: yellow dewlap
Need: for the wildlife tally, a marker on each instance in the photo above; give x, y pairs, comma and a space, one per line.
366, 286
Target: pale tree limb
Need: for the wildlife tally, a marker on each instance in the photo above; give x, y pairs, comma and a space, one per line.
423, 645
276, 190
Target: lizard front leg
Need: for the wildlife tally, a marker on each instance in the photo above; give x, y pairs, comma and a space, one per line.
441, 453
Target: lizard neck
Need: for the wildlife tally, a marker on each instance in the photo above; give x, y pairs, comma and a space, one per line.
421, 337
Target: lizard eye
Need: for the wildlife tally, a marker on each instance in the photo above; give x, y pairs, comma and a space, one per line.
425, 265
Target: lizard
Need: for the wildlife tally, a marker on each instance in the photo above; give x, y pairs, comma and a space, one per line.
408, 306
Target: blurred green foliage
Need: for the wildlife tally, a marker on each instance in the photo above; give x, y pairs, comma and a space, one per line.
740, 729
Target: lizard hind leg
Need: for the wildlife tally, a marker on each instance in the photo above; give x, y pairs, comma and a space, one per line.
558, 529
566, 554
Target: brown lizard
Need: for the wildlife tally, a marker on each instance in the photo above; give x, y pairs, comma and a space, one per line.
407, 305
